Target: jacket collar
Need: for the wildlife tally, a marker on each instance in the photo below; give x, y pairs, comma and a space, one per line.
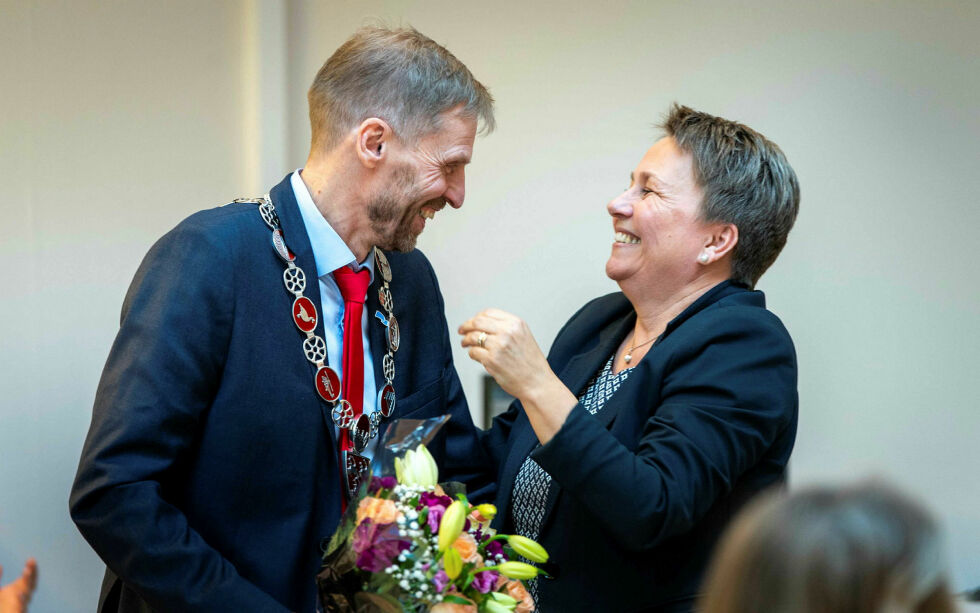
582, 366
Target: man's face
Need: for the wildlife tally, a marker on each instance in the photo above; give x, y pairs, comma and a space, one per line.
421, 180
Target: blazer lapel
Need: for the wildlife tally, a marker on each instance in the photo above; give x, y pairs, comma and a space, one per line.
294, 232
574, 374
579, 371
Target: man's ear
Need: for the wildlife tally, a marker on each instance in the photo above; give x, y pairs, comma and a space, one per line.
373, 138
721, 242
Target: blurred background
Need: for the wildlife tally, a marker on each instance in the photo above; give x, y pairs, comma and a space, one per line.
119, 118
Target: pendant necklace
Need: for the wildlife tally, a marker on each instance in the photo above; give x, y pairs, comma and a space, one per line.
362, 427
629, 354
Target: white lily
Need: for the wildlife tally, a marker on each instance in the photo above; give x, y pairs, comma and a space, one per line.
417, 468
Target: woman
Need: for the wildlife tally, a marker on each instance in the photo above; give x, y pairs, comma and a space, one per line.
830, 550
661, 409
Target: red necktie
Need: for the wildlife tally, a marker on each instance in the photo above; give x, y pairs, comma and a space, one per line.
353, 287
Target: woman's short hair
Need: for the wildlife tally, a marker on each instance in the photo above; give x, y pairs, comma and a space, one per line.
858, 549
746, 181
398, 75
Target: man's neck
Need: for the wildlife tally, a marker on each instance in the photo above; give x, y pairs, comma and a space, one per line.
333, 192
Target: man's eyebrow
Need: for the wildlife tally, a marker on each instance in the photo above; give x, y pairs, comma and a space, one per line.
457, 158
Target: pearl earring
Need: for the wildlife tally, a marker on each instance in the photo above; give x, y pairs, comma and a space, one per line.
703, 258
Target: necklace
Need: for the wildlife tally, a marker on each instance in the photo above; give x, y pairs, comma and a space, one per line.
629, 354
362, 427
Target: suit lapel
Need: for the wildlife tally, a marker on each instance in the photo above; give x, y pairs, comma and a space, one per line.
379, 343
294, 232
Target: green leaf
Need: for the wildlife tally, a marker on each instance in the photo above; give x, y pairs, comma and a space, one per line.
455, 599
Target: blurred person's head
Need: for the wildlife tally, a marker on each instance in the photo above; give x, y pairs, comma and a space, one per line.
859, 549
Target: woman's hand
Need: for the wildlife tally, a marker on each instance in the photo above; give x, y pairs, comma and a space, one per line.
504, 345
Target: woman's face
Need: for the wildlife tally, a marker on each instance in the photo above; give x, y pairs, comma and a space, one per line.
658, 234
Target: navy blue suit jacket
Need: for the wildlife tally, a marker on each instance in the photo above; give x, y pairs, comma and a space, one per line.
643, 488
210, 473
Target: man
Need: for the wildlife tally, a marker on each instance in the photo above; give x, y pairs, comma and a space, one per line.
241, 397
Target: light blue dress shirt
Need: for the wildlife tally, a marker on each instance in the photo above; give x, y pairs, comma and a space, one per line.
330, 253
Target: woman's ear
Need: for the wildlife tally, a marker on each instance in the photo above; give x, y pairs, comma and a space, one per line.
721, 242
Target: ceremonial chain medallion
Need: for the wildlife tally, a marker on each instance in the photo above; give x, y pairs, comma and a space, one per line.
362, 427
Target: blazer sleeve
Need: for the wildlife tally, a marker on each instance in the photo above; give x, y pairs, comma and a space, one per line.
160, 378
728, 395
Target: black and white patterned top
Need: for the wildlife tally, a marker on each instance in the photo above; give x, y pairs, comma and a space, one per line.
532, 483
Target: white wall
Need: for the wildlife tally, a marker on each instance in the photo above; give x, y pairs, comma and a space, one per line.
119, 118
874, 103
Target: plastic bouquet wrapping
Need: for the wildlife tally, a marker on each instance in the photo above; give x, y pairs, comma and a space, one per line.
410, 544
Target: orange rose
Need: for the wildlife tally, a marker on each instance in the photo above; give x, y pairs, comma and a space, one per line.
465, 544
379, 510
525, 604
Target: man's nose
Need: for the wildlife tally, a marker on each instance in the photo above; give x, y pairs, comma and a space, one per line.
456, 188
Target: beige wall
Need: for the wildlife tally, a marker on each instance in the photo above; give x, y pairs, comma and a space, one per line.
119, 118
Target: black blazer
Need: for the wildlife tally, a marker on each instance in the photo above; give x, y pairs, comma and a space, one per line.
643, 489
210, 472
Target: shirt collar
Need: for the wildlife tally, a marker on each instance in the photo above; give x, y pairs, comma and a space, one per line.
330, 252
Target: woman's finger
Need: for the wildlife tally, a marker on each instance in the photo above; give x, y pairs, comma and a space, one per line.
472, 339
480, 322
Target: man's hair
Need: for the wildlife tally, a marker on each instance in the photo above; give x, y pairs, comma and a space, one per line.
864, 547
746, 181
398, 75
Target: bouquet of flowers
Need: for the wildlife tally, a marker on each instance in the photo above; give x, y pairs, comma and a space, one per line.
411, 545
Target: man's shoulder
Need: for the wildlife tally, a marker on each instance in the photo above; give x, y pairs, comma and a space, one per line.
227, 221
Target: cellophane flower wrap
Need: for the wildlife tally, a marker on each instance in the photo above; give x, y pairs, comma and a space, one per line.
410, 544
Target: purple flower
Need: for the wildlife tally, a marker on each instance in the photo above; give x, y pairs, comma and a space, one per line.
495, 548
382, 483
377, 545
434, 517
484, 580
437, 507
441, 580
430, 499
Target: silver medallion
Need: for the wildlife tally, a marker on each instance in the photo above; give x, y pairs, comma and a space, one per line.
269, 215
280, 244
375, 423
386, 401
393, 334
314, 349
388, 365
384, 296
382, 263
294, 279
355, 471
360, 432
342, 414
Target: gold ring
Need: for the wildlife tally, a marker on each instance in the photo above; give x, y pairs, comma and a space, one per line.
482, 338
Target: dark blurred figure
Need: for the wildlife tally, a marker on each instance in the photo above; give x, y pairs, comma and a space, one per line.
16, 595
860, 549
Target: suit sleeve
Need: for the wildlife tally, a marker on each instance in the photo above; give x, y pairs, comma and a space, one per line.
160, 378
729, 394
